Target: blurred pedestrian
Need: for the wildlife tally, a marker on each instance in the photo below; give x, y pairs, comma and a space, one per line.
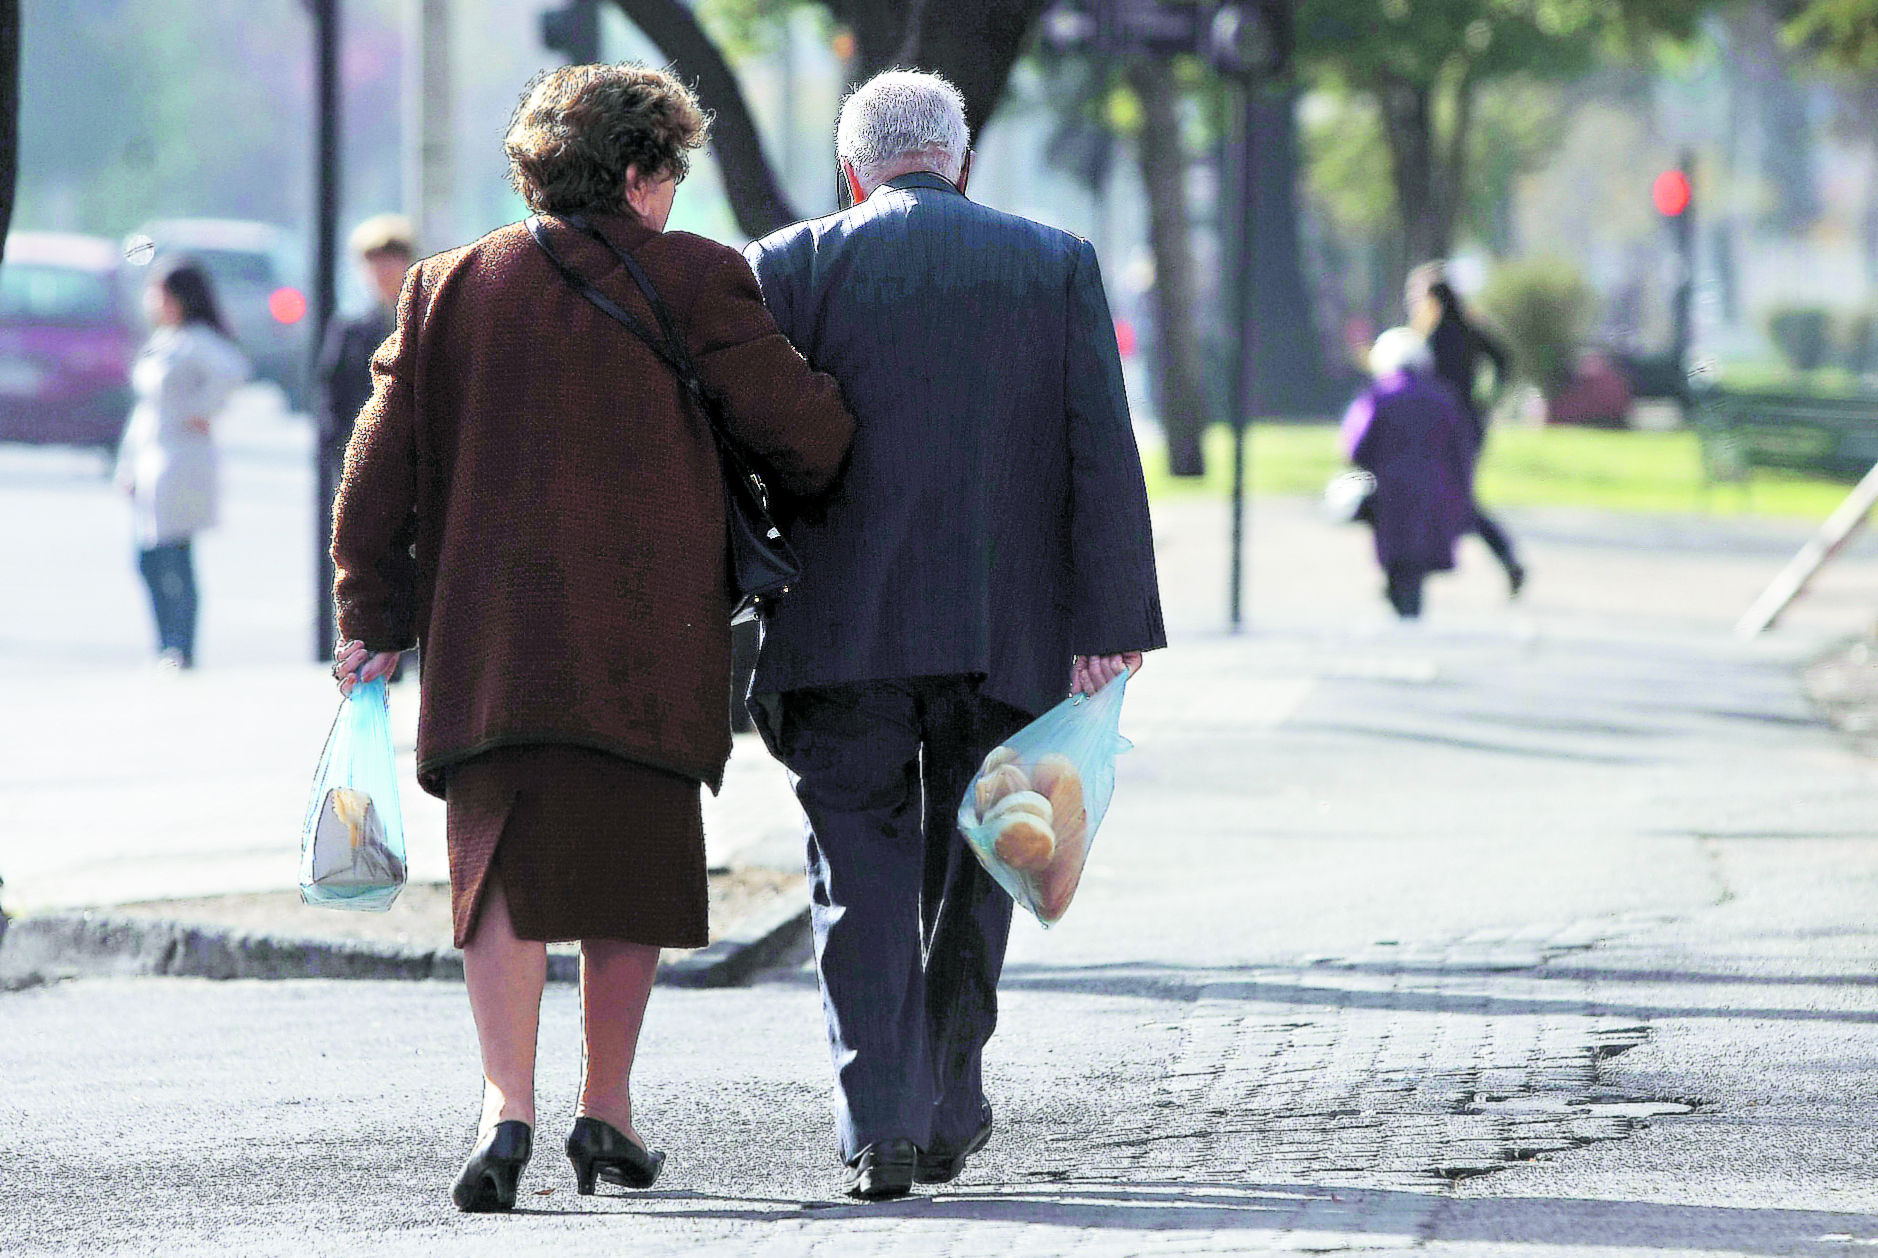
529, 494
383, 247
1408, 430
1458, 346
166, 460
986, 549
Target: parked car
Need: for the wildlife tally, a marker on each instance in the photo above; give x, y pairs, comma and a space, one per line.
66, 341
254, 269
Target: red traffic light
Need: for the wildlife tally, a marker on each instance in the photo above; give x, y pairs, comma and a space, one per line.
287, 305
1670, 193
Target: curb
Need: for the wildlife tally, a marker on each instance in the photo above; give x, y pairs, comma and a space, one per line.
57, 946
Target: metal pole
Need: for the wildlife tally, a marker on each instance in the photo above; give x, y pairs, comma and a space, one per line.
1244, 287
429, 145
325, 276
1683, 227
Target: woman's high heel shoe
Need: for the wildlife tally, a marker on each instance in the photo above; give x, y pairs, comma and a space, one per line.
599, 1149
489, 1177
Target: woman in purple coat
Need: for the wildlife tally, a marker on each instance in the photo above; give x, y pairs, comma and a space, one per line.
1408, 431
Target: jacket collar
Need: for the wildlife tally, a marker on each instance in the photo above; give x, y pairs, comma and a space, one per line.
624, 230
923, 179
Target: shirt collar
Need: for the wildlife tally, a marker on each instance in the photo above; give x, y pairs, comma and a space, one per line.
923, 179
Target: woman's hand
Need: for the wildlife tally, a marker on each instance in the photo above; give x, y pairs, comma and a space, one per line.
1092, 672
355, 664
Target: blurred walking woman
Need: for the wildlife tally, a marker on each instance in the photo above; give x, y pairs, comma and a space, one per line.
1408, 431
529, 495
1456, 347
166, 460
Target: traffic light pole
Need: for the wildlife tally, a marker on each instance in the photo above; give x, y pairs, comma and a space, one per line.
325, 278
1239, 193
1683, 225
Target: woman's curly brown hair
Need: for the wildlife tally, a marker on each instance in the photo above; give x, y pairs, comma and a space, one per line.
578, 128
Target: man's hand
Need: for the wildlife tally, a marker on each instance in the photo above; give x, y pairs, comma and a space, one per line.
197, 424
1092, 672
355, 664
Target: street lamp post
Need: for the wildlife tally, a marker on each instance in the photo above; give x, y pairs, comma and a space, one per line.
1247, 42
325, 14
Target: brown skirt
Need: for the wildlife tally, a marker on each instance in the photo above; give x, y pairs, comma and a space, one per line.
586, 845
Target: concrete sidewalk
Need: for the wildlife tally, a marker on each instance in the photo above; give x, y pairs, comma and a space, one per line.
1538, 928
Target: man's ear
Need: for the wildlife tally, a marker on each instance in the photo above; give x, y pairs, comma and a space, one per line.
965, 171
854, 183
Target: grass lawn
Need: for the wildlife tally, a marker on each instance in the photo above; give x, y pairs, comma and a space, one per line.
1524, 467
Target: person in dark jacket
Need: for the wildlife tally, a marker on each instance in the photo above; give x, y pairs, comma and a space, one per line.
1408, 430
986, 548
1458, 347
383, 247
530, 494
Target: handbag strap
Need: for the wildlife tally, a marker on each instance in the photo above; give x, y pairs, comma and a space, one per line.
669, 348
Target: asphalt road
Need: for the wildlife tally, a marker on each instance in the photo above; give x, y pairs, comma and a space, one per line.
1539, 929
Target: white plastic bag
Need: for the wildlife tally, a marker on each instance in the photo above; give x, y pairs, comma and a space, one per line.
1347, 494
352, 842
1032, 811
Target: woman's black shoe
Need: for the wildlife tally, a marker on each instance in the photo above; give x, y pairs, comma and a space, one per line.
599, 1149
489, 1177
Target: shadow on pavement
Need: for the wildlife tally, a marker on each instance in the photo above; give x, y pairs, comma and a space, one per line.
1290, 1209
1310, 986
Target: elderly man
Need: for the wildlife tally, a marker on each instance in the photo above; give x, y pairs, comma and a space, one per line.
986, 549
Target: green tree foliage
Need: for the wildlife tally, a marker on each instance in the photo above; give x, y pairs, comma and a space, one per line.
1842, 33
1424, 67
195, 109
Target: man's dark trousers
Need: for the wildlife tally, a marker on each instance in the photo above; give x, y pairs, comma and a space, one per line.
910, 930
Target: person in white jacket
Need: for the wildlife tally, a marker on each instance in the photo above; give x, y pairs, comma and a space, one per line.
166, 461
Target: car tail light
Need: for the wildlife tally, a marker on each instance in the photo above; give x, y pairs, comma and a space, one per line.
287, 305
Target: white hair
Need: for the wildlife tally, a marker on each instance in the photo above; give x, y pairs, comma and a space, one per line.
900, 114
1400, 349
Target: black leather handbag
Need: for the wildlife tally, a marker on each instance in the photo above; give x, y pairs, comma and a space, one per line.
762, 564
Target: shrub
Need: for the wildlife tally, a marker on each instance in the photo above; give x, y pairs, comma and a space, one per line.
1543, 306
1803, 334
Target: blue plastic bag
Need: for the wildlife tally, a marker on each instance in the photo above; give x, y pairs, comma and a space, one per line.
1033, 808
352, 843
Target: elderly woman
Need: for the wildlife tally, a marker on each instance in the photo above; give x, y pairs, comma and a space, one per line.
530, 495
1409, 432
166, 459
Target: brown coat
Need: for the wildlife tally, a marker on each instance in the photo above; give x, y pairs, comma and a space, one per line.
567, 574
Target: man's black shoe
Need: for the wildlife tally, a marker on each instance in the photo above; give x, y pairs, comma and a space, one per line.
941, 1165
883, 1169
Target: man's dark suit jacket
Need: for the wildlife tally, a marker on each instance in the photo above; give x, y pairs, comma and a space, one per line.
992, 518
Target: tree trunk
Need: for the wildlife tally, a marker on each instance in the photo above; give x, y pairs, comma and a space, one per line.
9, 112
1408, 126
756, 199
1287, 365
1178, 368
973, 43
